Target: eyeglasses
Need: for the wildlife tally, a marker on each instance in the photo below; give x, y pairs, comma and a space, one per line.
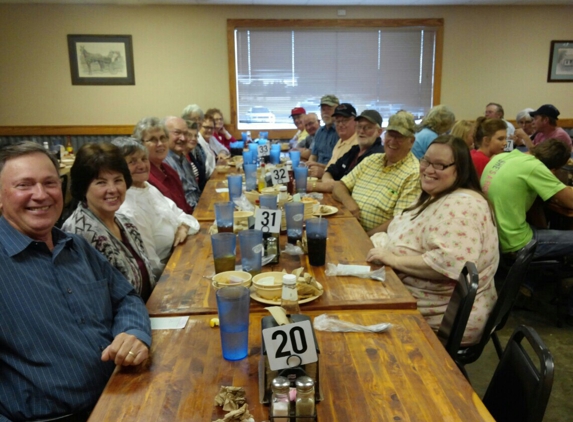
343, 121
155, 140
365, 128
436, 166
218, 119
208, 127
178, 133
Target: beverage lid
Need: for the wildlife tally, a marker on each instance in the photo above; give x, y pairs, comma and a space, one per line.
289, 279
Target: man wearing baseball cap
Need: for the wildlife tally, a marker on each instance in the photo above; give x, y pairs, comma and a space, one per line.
368, 131
345, 126
383, 185
344, 120
298, 114
545, 124
326, 137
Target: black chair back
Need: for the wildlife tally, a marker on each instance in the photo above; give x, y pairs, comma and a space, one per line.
519, 391
457, 313
505, 299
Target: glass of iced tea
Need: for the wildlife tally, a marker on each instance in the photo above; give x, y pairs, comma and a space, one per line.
224, 251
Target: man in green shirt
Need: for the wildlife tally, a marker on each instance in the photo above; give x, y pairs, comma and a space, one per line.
512, 182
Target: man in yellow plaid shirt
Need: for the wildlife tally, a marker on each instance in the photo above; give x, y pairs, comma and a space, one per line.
383, 185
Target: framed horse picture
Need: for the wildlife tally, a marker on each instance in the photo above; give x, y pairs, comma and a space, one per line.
101, 59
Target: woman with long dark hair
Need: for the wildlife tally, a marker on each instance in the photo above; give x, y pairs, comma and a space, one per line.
450, 223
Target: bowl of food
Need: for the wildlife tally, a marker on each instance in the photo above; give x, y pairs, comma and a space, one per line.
232, 278
223, 169
241, 217
269, 285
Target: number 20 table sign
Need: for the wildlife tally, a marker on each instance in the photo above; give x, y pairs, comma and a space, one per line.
290, 345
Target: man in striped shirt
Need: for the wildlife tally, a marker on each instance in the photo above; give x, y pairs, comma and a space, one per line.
67, 317
383, 185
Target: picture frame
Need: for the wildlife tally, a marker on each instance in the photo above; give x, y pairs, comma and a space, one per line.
101, 59
561, 62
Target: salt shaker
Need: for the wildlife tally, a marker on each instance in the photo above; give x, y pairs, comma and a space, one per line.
305, 405
280, 403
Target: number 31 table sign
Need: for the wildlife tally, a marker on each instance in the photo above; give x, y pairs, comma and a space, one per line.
290, 345
268, 221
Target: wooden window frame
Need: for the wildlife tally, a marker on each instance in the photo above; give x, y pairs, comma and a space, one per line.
233, 24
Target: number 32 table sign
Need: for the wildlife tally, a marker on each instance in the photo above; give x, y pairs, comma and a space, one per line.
290, 345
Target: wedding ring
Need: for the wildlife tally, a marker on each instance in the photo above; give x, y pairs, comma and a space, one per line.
131, 353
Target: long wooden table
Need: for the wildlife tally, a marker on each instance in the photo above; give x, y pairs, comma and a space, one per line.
401, 375
183, 289
205, 209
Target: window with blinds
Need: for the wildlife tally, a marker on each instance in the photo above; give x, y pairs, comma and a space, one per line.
386, 68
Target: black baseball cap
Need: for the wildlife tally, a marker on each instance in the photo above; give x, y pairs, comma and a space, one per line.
345, 110
548, 110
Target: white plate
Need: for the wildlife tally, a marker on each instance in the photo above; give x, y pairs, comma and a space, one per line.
331, 210
278, 302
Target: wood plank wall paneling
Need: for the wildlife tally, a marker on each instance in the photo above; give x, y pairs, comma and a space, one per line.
128, 129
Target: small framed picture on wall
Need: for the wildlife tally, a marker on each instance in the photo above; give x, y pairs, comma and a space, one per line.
561, 62
101, 59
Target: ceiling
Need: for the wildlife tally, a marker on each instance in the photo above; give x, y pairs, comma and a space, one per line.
311, 2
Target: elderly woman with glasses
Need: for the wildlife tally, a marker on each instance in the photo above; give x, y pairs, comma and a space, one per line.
194, 114
430, 242
206, 132
153, 135
526, 132
100, 178
162, 224
220, 133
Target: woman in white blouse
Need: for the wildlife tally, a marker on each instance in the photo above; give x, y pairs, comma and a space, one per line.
161, 223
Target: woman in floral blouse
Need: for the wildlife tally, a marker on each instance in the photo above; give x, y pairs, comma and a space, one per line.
450, 224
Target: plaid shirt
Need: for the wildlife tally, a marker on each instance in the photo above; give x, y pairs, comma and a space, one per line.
383, 191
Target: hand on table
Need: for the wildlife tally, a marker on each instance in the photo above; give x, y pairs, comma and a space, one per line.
181, 234
125, 350
381, 256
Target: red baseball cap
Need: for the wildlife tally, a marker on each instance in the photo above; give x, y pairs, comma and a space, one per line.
296, 111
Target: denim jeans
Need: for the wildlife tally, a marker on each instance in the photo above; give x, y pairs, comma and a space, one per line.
553, 243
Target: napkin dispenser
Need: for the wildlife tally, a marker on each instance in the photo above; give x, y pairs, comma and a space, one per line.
266, 375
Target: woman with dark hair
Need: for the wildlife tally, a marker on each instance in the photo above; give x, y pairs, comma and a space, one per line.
490, 139
450, 224
99, 179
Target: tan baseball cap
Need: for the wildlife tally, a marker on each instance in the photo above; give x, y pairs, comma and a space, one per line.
402, 122
331, 100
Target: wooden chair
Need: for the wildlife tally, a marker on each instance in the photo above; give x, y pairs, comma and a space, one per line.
520, 389
457, 313
505, 299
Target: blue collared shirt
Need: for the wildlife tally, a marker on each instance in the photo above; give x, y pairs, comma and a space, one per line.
58, 311
324, 140
183, 168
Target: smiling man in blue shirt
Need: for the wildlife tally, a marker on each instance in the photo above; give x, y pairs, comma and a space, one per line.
67, 317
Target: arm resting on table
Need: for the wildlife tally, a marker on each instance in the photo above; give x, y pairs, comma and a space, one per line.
341, 193
412, 265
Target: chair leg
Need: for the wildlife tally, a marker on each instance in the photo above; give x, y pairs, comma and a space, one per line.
462, 368
497, 344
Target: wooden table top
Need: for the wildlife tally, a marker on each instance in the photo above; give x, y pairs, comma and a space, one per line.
183, 289
403, 374
205, 209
